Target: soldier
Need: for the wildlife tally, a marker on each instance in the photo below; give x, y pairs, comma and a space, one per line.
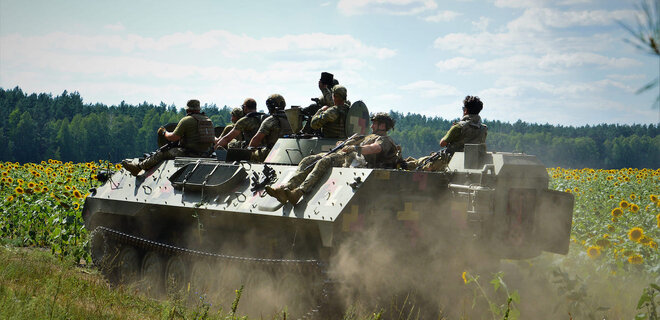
468, 130
246, 127
378, 150
326, 83
272, 128
236, 114
194, 134
332, 120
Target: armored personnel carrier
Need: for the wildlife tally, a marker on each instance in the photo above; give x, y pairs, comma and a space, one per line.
200, 224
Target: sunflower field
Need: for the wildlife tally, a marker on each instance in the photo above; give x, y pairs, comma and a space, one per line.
42, 204
616, 219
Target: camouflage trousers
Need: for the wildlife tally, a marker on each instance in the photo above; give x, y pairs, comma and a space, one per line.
159, 156
439, 164
305, 180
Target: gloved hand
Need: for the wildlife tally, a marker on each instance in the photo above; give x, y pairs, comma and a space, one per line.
161, 131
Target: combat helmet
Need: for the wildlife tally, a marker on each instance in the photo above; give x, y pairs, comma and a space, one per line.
385, 118
275, 102
193, 106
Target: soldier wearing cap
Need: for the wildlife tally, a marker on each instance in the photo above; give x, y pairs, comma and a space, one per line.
245, 128
194, 134
378, 150
332, 120
272, 128
326, 83
468, 130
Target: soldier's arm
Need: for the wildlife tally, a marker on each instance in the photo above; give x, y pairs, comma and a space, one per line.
451, 136
170, 136
372, 148
256, 140
223, 141
322, 117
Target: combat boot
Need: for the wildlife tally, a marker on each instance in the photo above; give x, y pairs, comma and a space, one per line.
294, 195
278, 193
134, 169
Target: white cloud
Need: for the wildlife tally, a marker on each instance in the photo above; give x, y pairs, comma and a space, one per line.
392, 7
536, 3
539, 19
430, 89
115, 27
443, 16
456, 63
482, 24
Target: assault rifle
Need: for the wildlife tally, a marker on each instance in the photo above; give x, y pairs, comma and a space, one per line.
333, 150
442, 153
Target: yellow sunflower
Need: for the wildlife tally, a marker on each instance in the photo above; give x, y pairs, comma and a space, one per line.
624, 204
19, 190
31, 185
635, 259
611, 196
610, 228
653, 198
593, 252
609, 178
568, 190
634, 208
617, 212
645, 240
653, 245
10, 180
633, 196
118, 166
636, 234
576, 189
76, 206
603, 243
10, 198
77, 194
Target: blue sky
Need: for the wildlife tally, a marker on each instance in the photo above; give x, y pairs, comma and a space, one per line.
558, 62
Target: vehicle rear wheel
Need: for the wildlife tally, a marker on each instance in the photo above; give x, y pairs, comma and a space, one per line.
176, 275
200, 277
152, 272
128, 265
102, 250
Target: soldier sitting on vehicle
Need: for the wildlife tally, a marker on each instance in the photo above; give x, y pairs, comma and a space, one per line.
236, 114
378, 150
332, 120
468, 130
245, 128
326, 83
193, 136
272, 128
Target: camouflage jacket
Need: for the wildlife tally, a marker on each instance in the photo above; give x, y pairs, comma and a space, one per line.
331, 121
468, 130
274, 127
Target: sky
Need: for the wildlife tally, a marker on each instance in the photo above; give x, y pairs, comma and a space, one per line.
562, 62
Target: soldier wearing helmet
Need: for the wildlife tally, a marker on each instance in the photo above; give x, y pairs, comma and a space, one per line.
245, 128
378, 150
332, 120
193, 134
272, 128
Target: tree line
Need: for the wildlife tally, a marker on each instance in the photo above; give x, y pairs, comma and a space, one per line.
36, 127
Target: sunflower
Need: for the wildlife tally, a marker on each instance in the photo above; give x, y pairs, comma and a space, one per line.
645, 240
4, 174
44, 189
633, 196
31, 185
593, 252
635, 234
609, 178
10, 180
610, 228
617, 212
76, 206
653, 245
653, 198
635, 259
10, 198
615, 219
77, 194
626, 179
576, 189
634, 208
19, 190
118, 166
624, 204
20, 182
463, 275
568, 190
67, 188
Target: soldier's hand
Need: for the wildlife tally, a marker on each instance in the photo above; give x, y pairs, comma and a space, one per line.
161, 131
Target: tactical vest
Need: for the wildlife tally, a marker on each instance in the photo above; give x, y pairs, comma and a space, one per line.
284, 128
247, 135
471, 132
337, 129
204, 128
387, 159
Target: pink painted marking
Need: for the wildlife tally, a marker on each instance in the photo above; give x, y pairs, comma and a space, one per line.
420, 177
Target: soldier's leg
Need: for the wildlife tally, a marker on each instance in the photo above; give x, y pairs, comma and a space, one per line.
320, 169
159, 156
301, 173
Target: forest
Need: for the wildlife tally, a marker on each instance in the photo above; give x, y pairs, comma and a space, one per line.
38, 127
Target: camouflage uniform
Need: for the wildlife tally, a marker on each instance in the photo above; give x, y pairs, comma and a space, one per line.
274, 127
248, 126
332, 121
305, 180
189, 145
468, 130
326, 98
